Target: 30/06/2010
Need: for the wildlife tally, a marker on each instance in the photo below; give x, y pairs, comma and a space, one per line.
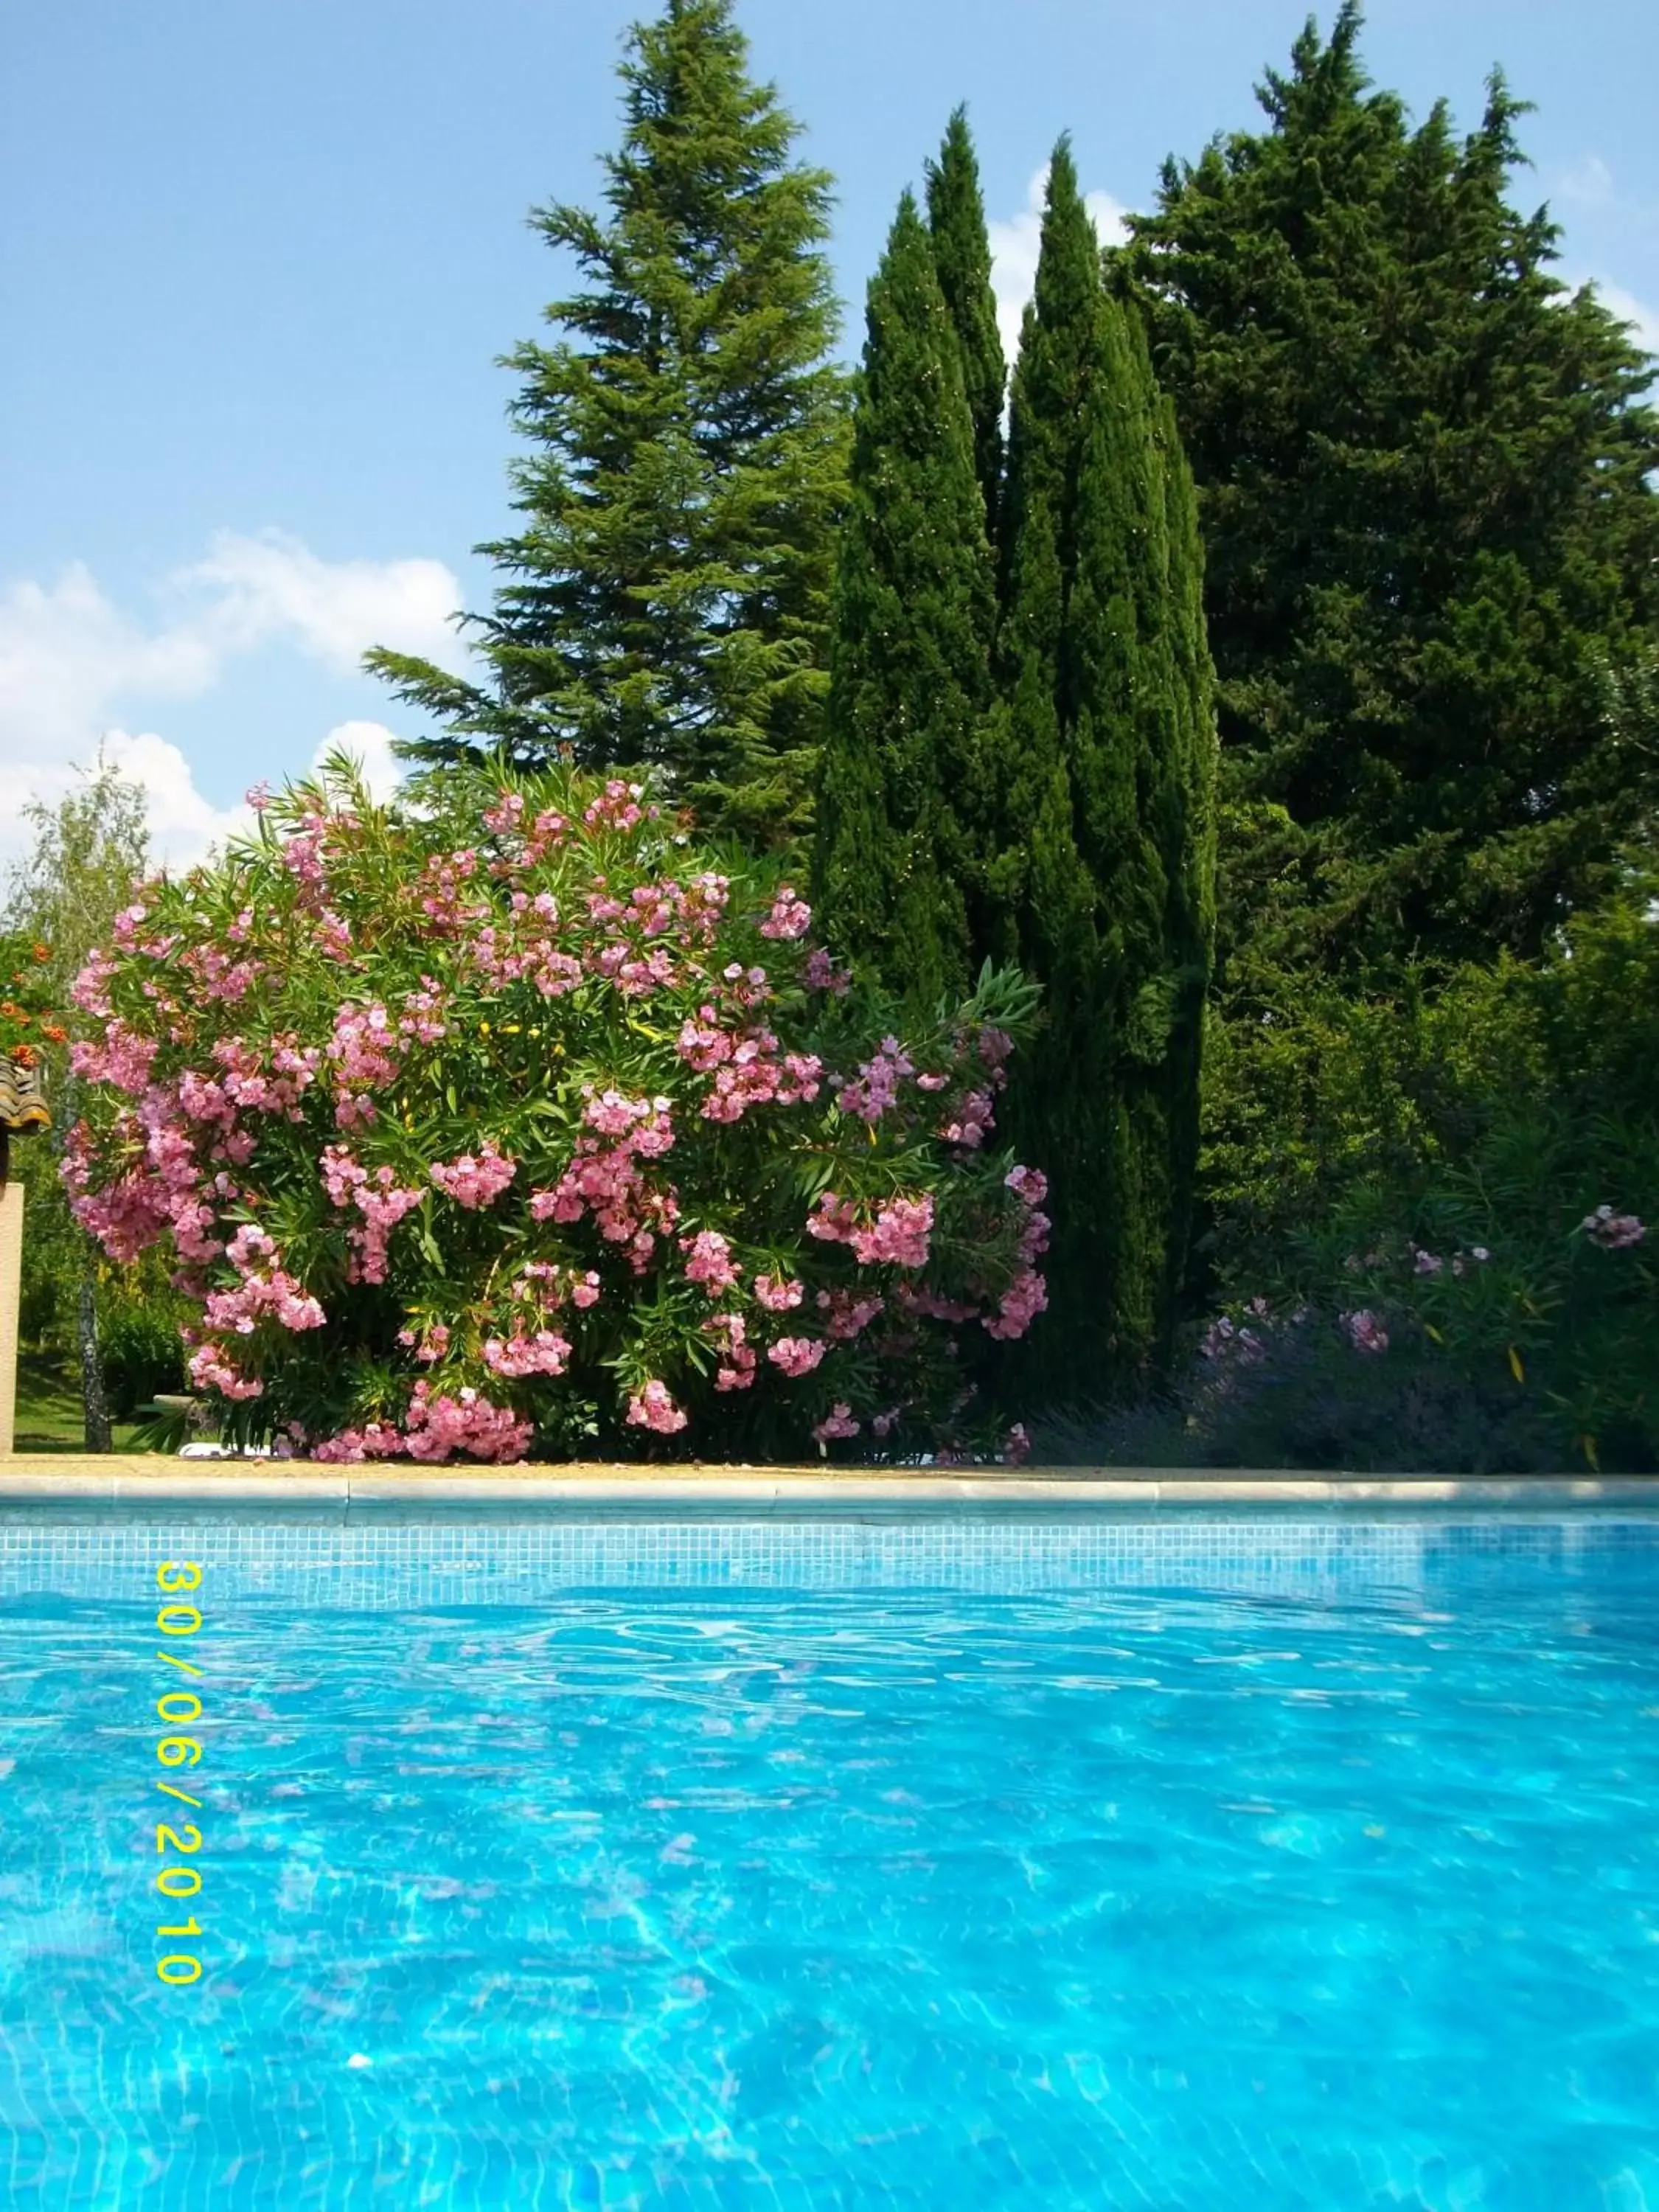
179, 1708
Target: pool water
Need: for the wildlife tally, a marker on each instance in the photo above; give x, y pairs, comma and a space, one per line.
1267, 1872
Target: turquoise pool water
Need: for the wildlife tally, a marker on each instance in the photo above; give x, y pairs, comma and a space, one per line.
1190, 1866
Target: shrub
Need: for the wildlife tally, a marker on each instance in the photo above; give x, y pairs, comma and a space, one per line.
502, 1118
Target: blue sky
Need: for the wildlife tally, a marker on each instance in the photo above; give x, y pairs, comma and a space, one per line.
258, 256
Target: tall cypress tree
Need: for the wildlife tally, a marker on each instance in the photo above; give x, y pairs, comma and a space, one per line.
911, 670
667, 600
1107, 719
962, 255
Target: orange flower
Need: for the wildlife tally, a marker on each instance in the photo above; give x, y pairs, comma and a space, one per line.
41, 952
53, 1034
24, 1054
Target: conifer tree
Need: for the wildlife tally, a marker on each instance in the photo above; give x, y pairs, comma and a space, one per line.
1429, 519
666, 600
910, 673
962, 255
1102, 836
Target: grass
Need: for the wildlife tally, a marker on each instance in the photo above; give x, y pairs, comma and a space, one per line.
49, 1415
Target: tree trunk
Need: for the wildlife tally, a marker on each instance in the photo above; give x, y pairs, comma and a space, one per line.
92, 1367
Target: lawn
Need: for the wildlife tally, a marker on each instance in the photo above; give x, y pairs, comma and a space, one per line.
49, 1416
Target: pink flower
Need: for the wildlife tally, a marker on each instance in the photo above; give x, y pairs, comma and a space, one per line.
837, 1423
1365, 1332
778, 1295
790, 916
797, 1355
1026, 1297
877, 1085
709, 1262
819, 973
653, 1408
1029, 1185
900, 1237
1613, 1231
1016, 1446
544, 1353
474, 1182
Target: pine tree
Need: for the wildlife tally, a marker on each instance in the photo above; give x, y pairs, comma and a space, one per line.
1429, 515
962, 255
668, 600
1104, 834
913, 618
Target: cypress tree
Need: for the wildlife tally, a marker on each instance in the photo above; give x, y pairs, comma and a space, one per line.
1106, 675
910, 674
666, 601
1430, 517
962, 255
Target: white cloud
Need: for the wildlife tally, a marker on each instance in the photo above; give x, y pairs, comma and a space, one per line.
1014, 248
250, 591
1644, 320
74, 667
1588, 183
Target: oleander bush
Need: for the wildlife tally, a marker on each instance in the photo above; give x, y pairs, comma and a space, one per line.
506, 1118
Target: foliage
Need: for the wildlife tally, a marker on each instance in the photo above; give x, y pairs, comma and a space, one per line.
910, 673
962, 258
1102, 846
64, 894
398, 1088
28, 1012
668, 600
1438, 1160
1429, 512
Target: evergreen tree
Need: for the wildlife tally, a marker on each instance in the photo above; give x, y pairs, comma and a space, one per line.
666, 602
1103, 841
914, 613
1429, 516
962, 255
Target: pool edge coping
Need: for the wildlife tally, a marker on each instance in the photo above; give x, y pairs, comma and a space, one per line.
127, 1481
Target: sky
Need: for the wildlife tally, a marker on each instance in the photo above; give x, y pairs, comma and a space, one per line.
258, 260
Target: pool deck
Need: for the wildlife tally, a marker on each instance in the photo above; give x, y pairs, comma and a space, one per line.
119, 1480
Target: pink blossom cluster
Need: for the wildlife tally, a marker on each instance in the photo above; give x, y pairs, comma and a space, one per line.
847, 1314
1613, 1231
790, 916
1365, 1332
475, 1179
838, 1422
1026, 1297
607, 1182
378, 1198
708, 1261
121, 1057
616, 808
820, 972
423, 1015
429, 1346
736, 1370
877, 1086
542, 1353
898, 1237
433, 1429
365, 1052
211, 1368
970, 1121
797, 1355
778, 1294
746, 1067
651, 1407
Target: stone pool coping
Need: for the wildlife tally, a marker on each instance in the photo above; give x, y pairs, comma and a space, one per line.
126, 1479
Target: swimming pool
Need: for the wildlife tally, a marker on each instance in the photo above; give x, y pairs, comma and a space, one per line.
1189, 1863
